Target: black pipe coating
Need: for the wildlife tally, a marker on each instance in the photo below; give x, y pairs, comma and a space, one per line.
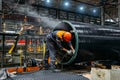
91, 42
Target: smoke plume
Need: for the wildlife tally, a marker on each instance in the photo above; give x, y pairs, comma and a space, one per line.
45, 20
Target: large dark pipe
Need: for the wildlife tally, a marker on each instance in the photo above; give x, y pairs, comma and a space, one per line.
91, 42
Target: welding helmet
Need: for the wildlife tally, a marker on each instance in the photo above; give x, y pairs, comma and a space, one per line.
67, 36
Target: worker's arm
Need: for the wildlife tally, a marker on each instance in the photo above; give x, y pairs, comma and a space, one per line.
70, 44
71, 47
58, 41
64, 49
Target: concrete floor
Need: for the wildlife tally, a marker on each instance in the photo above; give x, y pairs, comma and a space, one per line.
49, 75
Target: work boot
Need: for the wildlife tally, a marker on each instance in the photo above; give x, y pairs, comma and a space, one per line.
53, 69
56, 70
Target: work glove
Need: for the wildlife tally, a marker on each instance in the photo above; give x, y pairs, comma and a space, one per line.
73, 51
69, 52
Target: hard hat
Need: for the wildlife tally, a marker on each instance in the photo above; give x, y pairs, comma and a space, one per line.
67, 36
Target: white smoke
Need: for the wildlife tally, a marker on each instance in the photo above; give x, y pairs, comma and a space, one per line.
44, 19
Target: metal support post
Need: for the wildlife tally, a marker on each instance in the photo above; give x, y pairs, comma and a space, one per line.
0, 15
61, 67
3, 50
102, 15
25, 60
119, 12
21, 53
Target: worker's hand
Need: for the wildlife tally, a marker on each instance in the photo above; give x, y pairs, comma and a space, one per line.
69, 52
73, 51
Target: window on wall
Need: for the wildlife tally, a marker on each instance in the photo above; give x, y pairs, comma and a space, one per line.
79, 18
63, 15
53, 13
98, 21
43, 11
86, 19
92, 20
68, 15
71, 16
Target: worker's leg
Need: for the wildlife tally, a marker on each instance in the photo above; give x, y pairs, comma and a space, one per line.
46, 64
52, 57
52, 53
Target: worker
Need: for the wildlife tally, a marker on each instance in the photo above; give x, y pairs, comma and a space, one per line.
54, 43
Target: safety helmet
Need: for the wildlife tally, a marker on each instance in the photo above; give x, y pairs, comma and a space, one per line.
67, 36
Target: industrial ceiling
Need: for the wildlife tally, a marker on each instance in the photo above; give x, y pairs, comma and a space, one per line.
110, 6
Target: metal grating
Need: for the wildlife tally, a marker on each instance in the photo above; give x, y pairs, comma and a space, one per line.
48, 75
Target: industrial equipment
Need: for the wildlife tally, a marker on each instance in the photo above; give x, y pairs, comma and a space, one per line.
91, 42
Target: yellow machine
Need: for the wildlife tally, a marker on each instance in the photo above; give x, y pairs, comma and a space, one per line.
16, 38
38, 49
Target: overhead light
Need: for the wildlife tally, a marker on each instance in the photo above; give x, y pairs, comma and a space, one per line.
81, 8
94, 10
48, 1
66, 3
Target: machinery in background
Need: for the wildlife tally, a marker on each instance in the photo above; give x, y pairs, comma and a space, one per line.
35, 45
5, 55
15, 52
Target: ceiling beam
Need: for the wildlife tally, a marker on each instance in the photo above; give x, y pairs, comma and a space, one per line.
85, 2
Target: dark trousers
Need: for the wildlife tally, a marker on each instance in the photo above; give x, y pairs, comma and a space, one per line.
52, 51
